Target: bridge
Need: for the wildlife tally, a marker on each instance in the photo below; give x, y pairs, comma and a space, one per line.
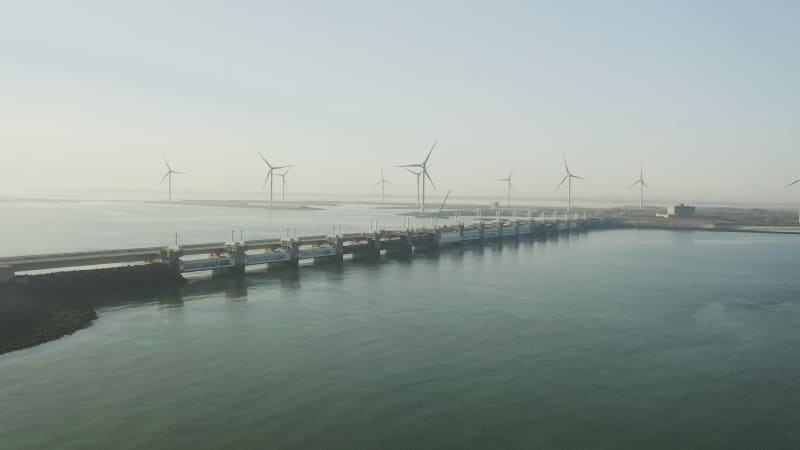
235, 256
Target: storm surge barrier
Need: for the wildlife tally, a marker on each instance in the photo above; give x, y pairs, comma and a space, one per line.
233, 257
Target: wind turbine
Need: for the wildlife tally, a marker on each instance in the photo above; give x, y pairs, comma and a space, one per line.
792, 184
283, 183
383, 182
510, 185
169, 175
642, 185
417, 174
269, 177
568, 178
424, 166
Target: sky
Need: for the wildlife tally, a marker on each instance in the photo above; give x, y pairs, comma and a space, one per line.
703, 93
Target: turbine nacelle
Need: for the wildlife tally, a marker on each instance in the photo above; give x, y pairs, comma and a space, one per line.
383, 180
642, 184
568, 176
568, 179
640, 180
424, 172
169, 175
510, 185
507, 179
169, 171
270, 176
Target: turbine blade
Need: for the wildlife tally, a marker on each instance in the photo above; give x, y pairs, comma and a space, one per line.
645, 184
182, 173
282, 167
562, 183
575, 176
165, 177
169, 169
510, 173
410, 165
428, 176
265, 160
269, 173
793, 183
565, 162
633, 184
430, 151
411, 171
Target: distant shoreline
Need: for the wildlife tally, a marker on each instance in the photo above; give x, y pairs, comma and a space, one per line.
705, 225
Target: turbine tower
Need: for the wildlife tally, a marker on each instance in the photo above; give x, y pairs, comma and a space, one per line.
568, 178
424, 166
169, 175
790, 185
642, 185
383, 182
283, 183
269, 177
510, 185
417, 174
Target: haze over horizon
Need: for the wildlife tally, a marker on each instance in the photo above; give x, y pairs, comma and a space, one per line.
93, 94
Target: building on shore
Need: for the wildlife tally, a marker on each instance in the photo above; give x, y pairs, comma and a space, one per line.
681, 210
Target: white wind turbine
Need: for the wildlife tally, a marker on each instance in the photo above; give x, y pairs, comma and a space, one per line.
568, 178
283, 183
510, 185
169, 175
642, 185
269, 177
418, 175
383, 182
424, 166
790, 185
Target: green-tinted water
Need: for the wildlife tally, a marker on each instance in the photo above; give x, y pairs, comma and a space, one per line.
611, 339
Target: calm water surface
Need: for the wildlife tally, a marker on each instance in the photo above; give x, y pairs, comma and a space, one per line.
609, 339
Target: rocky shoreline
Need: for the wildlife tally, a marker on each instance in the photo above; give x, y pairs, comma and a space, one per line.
25, 323
35, 309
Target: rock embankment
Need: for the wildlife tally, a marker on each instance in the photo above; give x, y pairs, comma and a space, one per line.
28, 322
39, 308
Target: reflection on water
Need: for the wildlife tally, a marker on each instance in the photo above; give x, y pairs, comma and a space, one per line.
236, 286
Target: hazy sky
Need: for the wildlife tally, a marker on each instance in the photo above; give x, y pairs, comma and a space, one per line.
705, 93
